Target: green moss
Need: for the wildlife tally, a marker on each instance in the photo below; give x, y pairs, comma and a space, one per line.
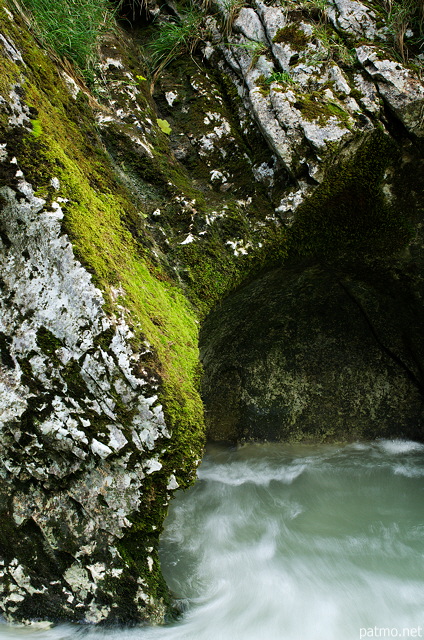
209, 271
27, 377
104, 339
208, 265
314, 108
37, 129
356, 94
47, 342
263, 85
143, 535
71, 373
292, 35
348, 213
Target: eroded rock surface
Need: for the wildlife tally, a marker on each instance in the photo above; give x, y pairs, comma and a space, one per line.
89, 445
80, 430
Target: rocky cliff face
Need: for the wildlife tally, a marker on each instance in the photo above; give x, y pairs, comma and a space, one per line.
100, 417
291, 141
330, 346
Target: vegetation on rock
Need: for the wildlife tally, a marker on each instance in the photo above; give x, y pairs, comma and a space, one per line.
71, 28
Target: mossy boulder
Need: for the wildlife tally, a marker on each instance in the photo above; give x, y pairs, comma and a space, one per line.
315, 354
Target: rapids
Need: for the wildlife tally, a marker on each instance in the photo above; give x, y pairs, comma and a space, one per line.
291, 542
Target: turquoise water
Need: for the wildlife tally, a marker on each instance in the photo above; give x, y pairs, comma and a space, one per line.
278, 542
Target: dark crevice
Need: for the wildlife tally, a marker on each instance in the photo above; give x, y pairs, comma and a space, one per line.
391, 354
395, 126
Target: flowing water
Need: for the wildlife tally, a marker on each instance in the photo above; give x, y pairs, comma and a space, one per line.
278, 542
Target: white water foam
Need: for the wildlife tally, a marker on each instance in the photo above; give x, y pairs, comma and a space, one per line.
258, 473
291, 543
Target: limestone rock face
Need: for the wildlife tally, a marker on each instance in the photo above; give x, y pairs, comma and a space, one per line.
89, 453
310, 91
401, 90
79, 430
319, 352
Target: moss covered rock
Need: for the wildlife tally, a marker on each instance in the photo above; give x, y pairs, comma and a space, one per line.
315, 354
101, 418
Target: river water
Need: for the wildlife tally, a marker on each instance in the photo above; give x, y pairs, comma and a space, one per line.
278, 542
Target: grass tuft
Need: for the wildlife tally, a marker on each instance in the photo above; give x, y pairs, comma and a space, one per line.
282, 77
405, 22
177, 37
230, 9
71, 28
332, 47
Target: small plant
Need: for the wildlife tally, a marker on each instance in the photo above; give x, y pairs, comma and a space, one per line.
177, 37
230, 9
406, 16
71, 28
332, 45
256, 49
282, 77
318, 5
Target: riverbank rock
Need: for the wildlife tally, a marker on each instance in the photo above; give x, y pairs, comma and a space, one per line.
315, 354
100, 417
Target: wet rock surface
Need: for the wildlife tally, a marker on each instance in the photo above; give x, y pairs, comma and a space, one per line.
79, 429
89, 458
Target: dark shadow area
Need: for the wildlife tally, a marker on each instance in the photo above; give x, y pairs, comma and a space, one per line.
315, 353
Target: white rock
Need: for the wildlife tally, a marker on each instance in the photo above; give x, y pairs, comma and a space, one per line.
170, 97
100, 449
